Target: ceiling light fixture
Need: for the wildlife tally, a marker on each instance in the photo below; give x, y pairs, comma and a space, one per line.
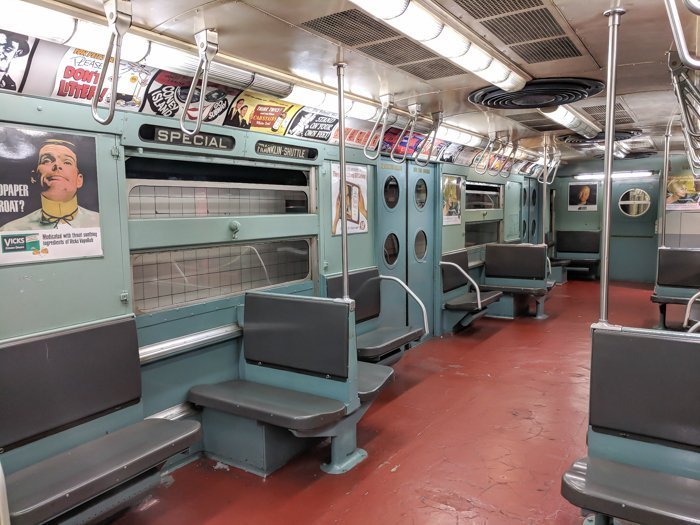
418, 23
641, 174
570, 118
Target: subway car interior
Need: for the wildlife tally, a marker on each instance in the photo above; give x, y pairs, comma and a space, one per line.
492, 202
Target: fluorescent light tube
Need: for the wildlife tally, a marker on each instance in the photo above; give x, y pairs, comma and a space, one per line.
449, 43
383, 9
416, 22
39, 22
567, 118
641, 174
306, 97
362, 111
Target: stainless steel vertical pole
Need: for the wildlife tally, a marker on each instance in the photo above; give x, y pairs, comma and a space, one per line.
664, 180
543, 198
614, 16
343, 206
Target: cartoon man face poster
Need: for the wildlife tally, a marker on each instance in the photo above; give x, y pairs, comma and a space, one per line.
15, 56
49, 207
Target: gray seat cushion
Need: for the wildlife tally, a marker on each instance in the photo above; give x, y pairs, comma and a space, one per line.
667, 299
386, 339
371, 378
468, 302
632, 493
278, 406
560, 262
60, 483
515, 289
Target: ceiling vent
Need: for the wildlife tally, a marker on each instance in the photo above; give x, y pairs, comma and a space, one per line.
622, 116
487, 8
352, 28
539, 93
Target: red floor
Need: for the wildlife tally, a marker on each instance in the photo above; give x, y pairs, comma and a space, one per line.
476, 428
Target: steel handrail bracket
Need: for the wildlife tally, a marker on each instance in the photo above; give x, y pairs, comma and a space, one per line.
118, 13
207, 42
413, 110
383, 116
437, 122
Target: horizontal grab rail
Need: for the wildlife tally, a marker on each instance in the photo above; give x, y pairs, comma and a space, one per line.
678, 35
468, 277
426, 324
180, 345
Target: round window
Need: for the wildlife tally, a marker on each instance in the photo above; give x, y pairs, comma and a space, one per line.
421, 193
524, 197
420, 245
391, 192
524, 229
533, 228
634, 202
391, 249
534, 197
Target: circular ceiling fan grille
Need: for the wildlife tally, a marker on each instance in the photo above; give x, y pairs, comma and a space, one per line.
539, 93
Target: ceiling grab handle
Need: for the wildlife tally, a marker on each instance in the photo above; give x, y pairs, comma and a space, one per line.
480, 156
489, 167
437, 122
413, 111
118, 13
207, 46
693, 6
510, 158
678, 35
373, 153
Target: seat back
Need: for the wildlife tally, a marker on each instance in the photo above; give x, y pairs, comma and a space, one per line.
363, 289
516, 261
54, 382
302, 334
578, 241
679, 267
451, 277
644, 385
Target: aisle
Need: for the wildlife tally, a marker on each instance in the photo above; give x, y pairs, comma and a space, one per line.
476, 429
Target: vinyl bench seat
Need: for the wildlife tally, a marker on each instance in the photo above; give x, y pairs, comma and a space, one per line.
632, 493
377, 344
63, 482
536, 291
468, 301
371, 378
269, 404
384, 339
667, 299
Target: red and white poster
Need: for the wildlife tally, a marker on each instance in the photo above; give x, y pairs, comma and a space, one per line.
79, 72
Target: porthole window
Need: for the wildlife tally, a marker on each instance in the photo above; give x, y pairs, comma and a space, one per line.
421, 195
533, 228
391, 249
524, 229
534, 196
391, 192
634, 202
524, 198
420, 245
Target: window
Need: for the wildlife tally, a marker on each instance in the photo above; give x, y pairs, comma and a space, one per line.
184, 276
482, 196
391, 249
391, 192
477, 233
634, 202
421, 194
420, 245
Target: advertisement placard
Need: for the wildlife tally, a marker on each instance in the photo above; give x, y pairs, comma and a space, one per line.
355, 199
49, 206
